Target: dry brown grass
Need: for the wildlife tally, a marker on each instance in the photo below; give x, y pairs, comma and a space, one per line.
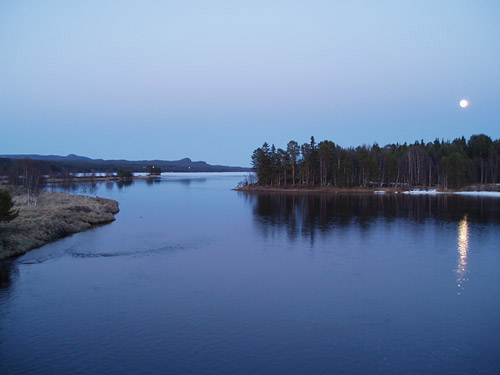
56, 215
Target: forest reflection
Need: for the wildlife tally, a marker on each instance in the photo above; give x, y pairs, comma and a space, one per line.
306, 214
76, 187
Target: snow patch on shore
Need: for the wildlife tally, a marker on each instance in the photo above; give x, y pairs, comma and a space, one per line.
495, 194
421, 192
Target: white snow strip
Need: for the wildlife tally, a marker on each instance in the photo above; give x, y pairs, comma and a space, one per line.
495, 194
421, 192
380, 192
97, 174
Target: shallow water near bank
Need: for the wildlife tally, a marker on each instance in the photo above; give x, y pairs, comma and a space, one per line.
193, 277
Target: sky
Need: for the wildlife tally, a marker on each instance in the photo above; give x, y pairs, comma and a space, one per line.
213, 80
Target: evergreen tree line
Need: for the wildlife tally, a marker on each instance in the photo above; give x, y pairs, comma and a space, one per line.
439, 164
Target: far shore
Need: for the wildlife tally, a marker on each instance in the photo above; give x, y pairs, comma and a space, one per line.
80, 179
99, 178
75, 179
55, 215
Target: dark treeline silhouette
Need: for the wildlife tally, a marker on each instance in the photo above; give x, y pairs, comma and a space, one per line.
439, 163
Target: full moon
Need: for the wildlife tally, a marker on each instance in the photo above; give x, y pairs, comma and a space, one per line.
464, 103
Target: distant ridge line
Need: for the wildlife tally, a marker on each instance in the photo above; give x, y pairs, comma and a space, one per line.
83, 162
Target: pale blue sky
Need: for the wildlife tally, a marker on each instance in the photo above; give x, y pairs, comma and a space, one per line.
213, 80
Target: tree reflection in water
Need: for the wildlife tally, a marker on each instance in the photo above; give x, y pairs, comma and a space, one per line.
5, 274
307, 214
126, 182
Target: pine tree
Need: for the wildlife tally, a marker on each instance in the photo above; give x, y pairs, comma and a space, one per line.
6, 212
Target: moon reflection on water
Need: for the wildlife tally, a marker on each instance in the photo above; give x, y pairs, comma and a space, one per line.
463, 249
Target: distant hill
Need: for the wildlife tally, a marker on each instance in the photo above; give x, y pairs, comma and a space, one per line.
70, 157
85, 164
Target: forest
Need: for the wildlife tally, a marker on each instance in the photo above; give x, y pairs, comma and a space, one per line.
445, 164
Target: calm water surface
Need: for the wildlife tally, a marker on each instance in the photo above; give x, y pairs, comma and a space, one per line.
193, 278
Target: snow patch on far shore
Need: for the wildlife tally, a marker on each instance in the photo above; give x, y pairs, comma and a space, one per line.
421, 192
495, 194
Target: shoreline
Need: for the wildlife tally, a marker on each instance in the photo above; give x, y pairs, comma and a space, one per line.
489, 190
56, 215
76, 180
98, 179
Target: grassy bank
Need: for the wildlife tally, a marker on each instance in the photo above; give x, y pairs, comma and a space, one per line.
56, 215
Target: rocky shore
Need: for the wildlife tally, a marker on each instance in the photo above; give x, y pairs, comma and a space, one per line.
55, 215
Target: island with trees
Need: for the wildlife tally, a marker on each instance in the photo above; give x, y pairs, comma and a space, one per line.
325, 165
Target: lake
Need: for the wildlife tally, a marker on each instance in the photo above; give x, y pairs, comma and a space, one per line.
195, 278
